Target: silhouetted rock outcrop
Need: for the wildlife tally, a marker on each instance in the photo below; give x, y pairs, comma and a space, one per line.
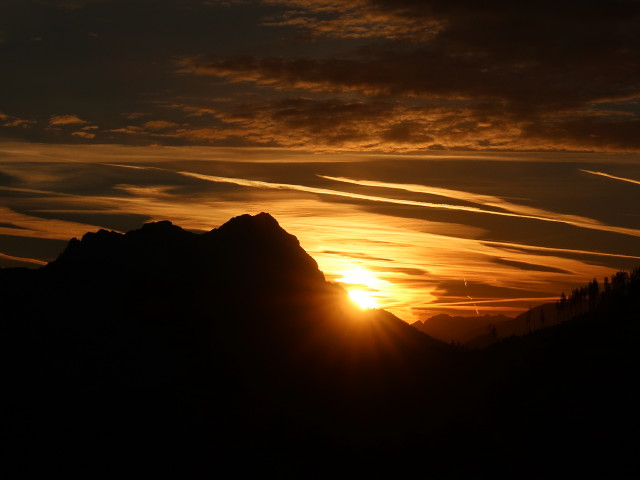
162, 345
165, 351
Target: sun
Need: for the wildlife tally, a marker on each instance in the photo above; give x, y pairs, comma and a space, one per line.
362, 286
365, 300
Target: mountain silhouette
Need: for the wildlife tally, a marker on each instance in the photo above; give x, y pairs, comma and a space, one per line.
127, 342
163, 351
459, 329
482, 331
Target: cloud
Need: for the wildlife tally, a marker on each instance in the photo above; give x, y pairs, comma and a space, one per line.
340, 122
351, 19
335, 123
129, 130
540, 70
11, 121
602, 174
389, 75
433, 73
159, 125
580, 222
134, 115
554, 250
421, 259
86, 135
485, 200
613, 134
12, 261
529, 266
195, 111
18, 122
62, 120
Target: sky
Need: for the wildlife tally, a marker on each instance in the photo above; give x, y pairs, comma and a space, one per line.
441, 156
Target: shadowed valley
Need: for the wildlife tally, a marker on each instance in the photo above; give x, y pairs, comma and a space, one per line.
163, 350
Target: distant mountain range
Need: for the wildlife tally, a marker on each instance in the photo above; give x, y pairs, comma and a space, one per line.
459, 329
162, 351
484, 330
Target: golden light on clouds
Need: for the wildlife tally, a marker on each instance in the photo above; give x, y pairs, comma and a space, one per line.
395, 138
404, 251
394, 263
602, 174
58, 120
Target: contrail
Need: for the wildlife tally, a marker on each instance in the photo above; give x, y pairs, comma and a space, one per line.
373, 198
135, 167
22, 259
497, 300
575, 221
469, 297
602, 174
525, 246
515, 210
488, 200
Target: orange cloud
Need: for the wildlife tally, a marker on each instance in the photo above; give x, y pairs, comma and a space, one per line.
86, 135
61, 120
352, 19
129, 130
160, 125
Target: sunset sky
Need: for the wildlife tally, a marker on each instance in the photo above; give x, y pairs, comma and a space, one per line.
439, 156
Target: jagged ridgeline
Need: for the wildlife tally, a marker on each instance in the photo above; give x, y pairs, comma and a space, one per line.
127, 343
227, 352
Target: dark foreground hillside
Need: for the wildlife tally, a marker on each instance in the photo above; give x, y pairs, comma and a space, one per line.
164, 351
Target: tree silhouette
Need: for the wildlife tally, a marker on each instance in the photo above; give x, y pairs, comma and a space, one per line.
561, 307
594, 294
493, 331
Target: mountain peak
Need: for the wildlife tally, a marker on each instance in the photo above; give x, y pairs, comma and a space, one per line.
245, 250
261, 223
162, 226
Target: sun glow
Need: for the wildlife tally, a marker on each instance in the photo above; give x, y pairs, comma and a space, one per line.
363, 299
362, 285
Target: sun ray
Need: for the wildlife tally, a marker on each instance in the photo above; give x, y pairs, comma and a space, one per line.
364, 299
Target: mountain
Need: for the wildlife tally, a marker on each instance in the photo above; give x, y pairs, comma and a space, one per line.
166, 352
540, 316
482, 331
458, 328
178, 350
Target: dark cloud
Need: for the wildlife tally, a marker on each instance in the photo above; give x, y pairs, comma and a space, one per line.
587, 133
523, 64
406, 271
325, 123
101, 60
10, 225
29, 247
459, 289
357, 255
322, 74
529, 266
122, 222
5, 178
518, 85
